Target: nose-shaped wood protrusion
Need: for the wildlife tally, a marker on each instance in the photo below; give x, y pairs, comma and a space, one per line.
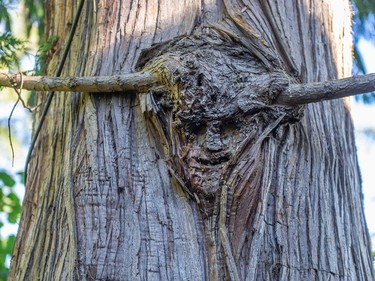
213, 137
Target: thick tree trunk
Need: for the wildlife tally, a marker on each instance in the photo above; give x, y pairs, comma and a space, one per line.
207, 180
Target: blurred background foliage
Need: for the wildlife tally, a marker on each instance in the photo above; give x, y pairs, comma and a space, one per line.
21, 33
363, 28
10, 210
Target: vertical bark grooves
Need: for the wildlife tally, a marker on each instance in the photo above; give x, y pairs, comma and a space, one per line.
308, 211
128, 219
115, 185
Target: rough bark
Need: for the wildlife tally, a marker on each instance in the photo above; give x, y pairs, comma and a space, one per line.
207, 180
292, 94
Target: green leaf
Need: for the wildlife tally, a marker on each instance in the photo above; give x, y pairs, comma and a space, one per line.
10, 243
6, 248
1, 199
12, 196
9, 48
364, 28
3, 251
45, 51
14, 207
14, 216
7, 179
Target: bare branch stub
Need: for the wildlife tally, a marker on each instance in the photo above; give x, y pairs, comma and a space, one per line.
298, 94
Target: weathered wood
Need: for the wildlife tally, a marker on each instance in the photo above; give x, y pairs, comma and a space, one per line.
315, 92
292, 95
136, 82
204, 178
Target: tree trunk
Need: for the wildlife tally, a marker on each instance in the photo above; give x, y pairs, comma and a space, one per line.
207, 180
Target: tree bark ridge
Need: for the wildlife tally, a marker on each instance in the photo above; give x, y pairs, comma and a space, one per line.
294, 188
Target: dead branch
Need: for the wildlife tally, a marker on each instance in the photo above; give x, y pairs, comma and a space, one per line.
298, 94
295, 94
138, 81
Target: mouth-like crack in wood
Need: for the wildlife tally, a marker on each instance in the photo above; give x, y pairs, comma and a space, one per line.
220, 103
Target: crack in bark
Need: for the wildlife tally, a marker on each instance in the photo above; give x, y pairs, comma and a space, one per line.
211, 142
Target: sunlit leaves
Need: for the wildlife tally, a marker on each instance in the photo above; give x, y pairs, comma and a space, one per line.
9, 48
9, 45
45, 51
10, 209
10, 204
6, 179
6, 246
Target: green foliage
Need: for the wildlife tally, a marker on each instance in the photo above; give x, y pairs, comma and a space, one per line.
34, 15
10, 206
6, 246
364, 9
9, 48
6, 179
44, 53
9, 45
363, 27
4, 14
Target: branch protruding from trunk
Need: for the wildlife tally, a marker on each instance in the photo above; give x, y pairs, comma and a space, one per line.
293, 95
137, 81
297, 94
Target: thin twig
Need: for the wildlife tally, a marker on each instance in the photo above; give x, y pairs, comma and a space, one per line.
19, 85
10, 130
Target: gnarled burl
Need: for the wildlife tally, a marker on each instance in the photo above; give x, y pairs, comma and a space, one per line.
214, 121
203, 178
